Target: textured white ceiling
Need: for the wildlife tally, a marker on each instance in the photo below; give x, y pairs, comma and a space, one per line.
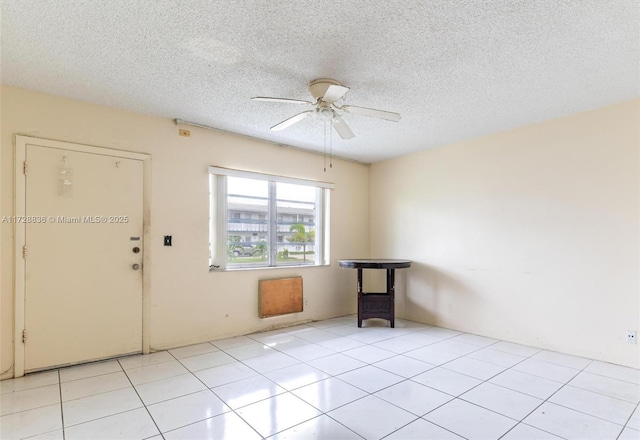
453, 69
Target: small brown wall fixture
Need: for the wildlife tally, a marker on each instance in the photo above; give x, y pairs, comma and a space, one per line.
279, 297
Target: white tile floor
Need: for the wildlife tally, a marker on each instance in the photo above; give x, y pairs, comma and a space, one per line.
331, 380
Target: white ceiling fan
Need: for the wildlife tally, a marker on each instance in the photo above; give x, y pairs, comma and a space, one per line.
326, 92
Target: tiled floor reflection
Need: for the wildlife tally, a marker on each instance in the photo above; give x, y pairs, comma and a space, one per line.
331, 380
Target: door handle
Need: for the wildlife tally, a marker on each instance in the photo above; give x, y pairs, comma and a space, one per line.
136, 266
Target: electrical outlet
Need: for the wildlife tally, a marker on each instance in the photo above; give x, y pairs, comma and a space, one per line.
631, 337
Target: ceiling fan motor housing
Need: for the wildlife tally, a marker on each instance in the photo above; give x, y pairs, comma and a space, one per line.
318, 87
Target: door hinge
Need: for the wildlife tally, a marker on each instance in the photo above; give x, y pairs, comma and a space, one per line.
24, 336
24, 251
25, 167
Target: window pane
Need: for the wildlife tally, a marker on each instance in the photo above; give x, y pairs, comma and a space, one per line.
296, 223
247, 224
258, 220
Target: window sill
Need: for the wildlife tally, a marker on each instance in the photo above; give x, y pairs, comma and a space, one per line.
240, 269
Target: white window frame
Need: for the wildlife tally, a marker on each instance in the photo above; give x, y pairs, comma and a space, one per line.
218, 213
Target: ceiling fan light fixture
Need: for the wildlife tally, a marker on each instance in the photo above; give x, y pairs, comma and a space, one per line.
325, 113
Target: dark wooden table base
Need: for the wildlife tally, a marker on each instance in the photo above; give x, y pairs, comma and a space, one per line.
376, 305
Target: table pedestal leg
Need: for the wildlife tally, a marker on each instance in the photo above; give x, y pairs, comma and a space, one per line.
377, 305
391, 291
360, 299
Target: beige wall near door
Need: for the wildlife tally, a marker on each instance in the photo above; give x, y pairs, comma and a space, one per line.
530, 235
187, 303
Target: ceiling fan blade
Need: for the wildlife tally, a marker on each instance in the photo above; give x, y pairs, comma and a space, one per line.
389, 116
342, 128
287, 100
292, 120
334, 92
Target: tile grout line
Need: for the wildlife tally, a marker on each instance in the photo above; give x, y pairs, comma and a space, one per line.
61, 406
550, 396
214, 393
506, 369
141, 401
403, 379
290, 391
371, 344
190, 372
553, 403
287, 391
543, 400
428, 421
626, 425
330, 376
609, 377
597, 417
583, 370
483, 382
487, 381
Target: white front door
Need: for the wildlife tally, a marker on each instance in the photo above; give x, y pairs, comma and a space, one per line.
83, 262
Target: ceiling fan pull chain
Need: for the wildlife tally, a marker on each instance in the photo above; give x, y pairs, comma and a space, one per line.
324, 148
331, 145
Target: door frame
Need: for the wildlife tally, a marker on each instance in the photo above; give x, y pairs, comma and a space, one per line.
20, 143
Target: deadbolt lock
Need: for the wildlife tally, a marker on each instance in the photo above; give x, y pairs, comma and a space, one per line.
136, 250
136, 266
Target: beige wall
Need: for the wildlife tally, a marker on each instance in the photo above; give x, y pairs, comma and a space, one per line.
530, 235
188, 303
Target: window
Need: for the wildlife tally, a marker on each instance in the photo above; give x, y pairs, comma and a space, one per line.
285, 221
